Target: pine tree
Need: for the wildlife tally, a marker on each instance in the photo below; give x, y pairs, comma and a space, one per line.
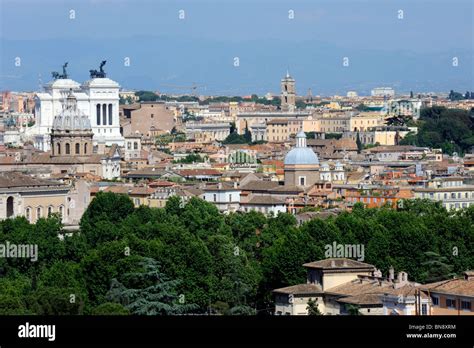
437, 268
153, 295
359, 143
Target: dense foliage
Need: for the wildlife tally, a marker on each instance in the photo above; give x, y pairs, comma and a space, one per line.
452, 130
189, 258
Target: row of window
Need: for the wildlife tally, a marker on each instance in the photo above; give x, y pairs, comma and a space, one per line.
369, 200
135, 145
39, 212
68, 148
452, 303
452, 195
102, 115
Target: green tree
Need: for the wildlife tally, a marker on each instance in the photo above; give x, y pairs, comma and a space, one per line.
360, 146
149, 292
312, 308
103, 215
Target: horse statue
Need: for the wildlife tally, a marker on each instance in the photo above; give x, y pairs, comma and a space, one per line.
57, 75
101, 73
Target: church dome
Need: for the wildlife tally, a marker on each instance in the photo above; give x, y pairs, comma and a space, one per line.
301, 154
71, 118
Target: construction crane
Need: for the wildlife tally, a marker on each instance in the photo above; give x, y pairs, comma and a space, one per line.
191, 88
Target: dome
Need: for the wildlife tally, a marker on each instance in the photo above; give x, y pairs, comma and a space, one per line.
71, 118
301, 154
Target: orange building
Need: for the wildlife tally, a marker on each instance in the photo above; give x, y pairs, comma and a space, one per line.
379, 196
452, 296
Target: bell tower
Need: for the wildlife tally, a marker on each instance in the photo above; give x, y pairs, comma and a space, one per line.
288, 93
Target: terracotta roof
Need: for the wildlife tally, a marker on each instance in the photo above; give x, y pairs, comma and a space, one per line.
455, 286
338, 263
300, 289
15, 179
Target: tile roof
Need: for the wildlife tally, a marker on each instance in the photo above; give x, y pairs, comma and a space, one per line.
300, 289
339, 263
455, 286
15, 179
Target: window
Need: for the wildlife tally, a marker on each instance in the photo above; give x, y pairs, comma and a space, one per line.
230, 197
28, 214
110, 114
435, 301
61, 210
302, 180
104, 114
135, 145
58, 146
424, 309
38, 212
10, 206
466, 305
98, 114
78, 148
215, 197
85, 149
450, 303
68, 149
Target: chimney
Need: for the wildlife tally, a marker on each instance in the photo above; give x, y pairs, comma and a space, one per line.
391, 273
235, 184
469, 276
333, 264
344, 263
219, 186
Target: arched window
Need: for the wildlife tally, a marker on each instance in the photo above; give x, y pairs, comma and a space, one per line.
68, 149
58, 146
135, 145
61, 210
129, 145
28, 214
85, 149
39, 213
98, 114
78, 148
110, 114
104, 114
50, 210
10, 207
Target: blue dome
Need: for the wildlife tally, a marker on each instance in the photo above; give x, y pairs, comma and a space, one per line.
301, 155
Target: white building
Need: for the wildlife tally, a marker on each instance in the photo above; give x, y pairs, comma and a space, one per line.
326, 173
268, 205
224, 196
383, 92
97, 98
452, 192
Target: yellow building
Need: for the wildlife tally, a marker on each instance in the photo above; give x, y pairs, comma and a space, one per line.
23, 195
277, 130
366, 121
